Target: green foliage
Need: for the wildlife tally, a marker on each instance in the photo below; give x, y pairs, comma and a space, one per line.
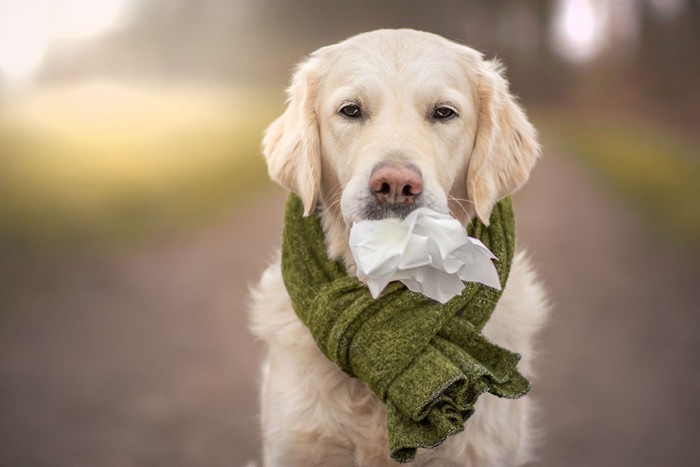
79, 170
658, 173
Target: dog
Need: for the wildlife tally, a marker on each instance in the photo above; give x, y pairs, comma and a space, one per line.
378, 125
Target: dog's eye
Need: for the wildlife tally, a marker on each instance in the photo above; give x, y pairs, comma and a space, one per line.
351, 111
444, 113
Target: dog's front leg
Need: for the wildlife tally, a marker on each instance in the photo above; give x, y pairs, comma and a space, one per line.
297, 432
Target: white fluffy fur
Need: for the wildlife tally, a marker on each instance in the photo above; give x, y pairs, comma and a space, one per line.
312, 413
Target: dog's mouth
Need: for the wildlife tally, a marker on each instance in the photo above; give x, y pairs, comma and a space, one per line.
371, 208
374, 211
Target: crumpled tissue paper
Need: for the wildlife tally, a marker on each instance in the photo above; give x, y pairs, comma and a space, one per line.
428, 251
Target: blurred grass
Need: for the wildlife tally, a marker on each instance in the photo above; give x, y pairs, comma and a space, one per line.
106, 165
103, 165
655, 171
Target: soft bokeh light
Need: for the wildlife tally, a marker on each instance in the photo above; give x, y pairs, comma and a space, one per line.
29, 27
579, 29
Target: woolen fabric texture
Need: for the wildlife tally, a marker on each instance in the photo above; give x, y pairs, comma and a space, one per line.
428, 362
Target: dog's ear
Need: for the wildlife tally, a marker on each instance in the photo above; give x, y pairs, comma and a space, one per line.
505, 148
292, 144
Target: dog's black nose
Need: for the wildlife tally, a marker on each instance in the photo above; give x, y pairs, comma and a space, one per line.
396, 184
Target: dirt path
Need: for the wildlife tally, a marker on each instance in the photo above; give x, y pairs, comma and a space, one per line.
619, 384
145, 359
139, 360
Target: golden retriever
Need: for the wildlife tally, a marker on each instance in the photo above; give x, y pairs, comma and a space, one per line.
377, 125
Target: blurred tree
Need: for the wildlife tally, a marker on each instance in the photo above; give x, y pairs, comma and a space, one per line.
259, 41
667, 65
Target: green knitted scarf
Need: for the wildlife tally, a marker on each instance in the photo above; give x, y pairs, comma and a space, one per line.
426, 361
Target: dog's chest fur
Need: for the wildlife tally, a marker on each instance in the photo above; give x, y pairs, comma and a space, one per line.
315, 415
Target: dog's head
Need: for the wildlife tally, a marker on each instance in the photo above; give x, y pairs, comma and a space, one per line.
391, 120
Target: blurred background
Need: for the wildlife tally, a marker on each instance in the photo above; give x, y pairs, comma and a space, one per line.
135, 212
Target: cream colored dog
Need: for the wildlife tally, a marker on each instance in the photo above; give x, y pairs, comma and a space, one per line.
377, 125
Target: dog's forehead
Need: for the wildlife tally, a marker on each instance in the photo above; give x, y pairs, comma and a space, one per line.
397, 58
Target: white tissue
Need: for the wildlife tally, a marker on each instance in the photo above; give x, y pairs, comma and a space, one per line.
429, 252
